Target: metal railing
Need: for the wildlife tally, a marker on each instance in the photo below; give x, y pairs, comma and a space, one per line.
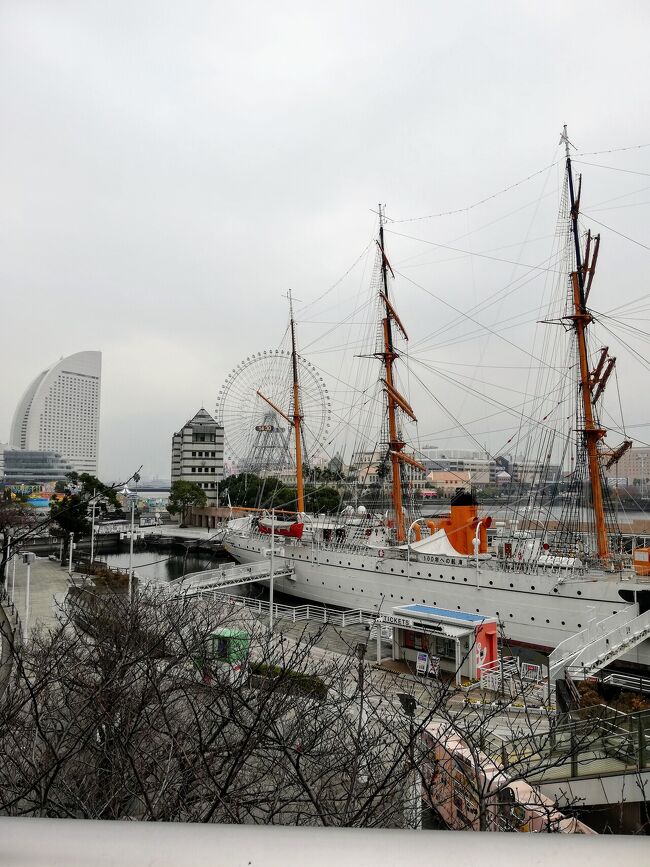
316, 613
590, 741
573, 645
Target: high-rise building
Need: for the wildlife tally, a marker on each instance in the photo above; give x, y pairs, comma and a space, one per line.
197, 454
59, 411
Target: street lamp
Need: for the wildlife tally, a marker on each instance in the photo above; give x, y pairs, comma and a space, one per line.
28, 559
413, 811
92, 530
70, 555
131, 496
271, 588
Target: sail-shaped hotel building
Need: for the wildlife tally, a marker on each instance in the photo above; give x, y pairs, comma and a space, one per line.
59, 411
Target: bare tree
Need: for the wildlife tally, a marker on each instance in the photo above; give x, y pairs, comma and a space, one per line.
120, 712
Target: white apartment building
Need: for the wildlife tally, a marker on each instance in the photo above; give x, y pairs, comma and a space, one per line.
59, 411
197, 454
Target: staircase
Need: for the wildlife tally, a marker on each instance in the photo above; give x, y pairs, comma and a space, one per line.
601, 643
228, 575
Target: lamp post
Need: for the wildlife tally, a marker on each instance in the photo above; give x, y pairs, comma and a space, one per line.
92, 531
413, 799
70, 555
131, 496
28, 559
13, 578
272, 570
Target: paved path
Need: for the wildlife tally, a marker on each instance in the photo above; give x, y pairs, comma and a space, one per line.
48, 585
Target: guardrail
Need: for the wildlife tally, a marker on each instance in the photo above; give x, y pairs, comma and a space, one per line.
317, 613
619, 742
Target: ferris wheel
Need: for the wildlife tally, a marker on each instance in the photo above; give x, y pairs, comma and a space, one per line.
254, 407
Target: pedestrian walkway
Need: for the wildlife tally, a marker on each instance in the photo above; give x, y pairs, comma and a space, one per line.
49, 583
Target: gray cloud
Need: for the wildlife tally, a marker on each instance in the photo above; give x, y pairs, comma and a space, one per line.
168, 170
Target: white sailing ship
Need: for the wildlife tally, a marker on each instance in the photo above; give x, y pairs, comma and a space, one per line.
542, 593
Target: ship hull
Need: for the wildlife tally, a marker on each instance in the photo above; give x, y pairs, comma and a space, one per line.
536, 608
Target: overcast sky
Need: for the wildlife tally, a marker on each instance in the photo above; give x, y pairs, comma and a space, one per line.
168, 170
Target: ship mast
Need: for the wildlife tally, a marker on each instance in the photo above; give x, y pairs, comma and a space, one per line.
394, 399
582, 318
297, 415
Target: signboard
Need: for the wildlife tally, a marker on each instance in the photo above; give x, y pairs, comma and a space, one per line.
264, 428
393, 620
426, 664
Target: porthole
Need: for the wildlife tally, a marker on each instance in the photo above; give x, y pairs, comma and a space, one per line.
491, 583
563, 623
391, 595
512, 585
497, 613
362, 566
579, 592
402, 598
458, 606
402, 571
548, 621
453, 578
465, 580
339, 586
430, 575
532, 586
418, 574
579, 625
323, 583
509, 615
348, 562
555, 590
533, 619
412, 600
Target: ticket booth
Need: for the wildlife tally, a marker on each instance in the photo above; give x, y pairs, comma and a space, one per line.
453, 641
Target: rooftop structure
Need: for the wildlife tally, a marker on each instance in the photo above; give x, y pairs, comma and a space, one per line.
59, 412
